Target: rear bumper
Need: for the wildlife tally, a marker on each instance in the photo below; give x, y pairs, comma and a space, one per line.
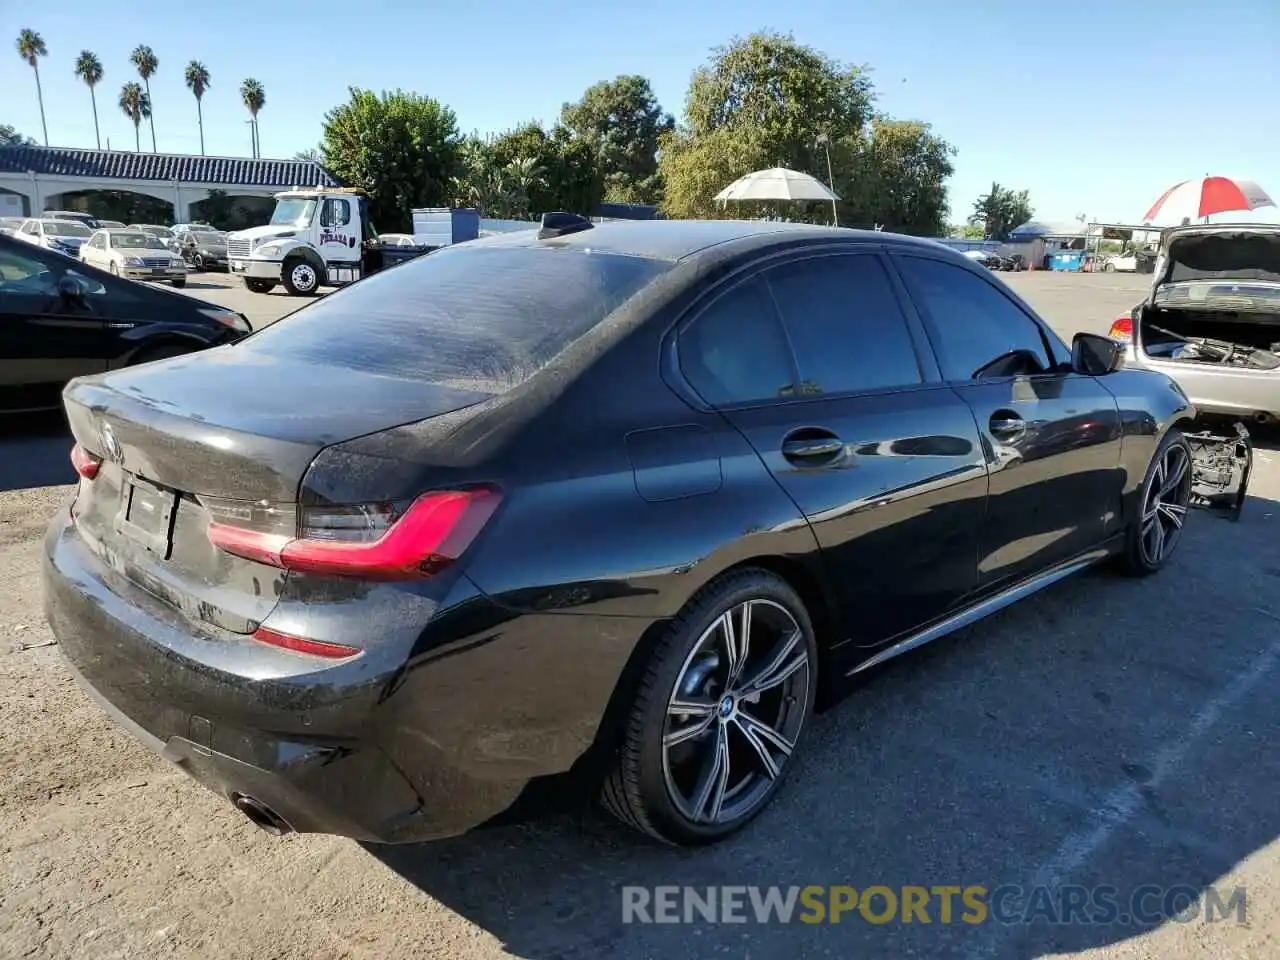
1222, 391
327, 749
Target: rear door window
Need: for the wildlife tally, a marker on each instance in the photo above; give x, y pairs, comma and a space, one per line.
846, 325
735, 351
483, 317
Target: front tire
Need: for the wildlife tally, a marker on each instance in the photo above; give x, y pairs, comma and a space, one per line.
719, 712
1163, 504
259, 286
179, 282
300, 277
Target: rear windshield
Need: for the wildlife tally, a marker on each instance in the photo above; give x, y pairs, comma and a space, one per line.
487, 318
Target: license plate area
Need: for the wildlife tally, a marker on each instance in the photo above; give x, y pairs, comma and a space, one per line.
146, 515
158, 271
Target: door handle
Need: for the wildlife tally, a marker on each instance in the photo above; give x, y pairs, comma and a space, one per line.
1007, 426
812, 446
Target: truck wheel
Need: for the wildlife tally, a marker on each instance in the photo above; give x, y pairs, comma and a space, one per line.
259, 286
300, 277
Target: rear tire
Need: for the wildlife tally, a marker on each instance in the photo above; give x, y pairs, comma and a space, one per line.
301, 278
1109, 268
1163, 504
696, 776
259, 286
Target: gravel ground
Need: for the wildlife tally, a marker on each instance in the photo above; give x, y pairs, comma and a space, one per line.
1106, 732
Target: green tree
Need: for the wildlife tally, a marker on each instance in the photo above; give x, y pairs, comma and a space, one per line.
31, 48
894, 176
624, 122
966, 231
254, 98
197, 80
89, 69
570, 178
136, 105
309, 155
217, 207
401, 148
10, 137
1000, 210
146, 62
762, 101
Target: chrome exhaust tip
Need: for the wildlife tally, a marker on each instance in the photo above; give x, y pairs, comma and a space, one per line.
261, 815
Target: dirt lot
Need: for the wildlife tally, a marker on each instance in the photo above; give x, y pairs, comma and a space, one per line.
1106, 732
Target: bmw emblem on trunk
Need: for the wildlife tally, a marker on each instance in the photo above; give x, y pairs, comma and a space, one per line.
110, 445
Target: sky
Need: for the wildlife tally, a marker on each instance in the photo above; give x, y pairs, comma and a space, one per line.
1095, 108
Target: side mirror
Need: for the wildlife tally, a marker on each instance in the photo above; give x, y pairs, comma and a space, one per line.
1096, 355
70, 288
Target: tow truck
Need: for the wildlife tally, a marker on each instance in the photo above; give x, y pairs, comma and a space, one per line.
325, 238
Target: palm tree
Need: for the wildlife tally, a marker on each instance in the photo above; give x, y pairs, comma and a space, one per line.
255, 98
147, 63
198, 82
89, 69
136, 105
31, 48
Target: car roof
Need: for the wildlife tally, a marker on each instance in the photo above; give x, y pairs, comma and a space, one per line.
680, 239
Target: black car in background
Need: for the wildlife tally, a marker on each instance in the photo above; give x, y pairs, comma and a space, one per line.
61, 318
612, 507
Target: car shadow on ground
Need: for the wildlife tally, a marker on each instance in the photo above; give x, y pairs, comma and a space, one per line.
1110, 734
36, 452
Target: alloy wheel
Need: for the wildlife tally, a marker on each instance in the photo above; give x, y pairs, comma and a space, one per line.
1164, 508
303, 276
735, 713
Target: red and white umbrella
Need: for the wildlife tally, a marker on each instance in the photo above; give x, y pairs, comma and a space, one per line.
1194, 200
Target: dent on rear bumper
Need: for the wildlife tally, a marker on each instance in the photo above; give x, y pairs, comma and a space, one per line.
447, 740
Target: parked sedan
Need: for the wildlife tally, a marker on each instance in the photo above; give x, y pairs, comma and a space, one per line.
204, 249
62, 236
134, 254
1212, 318
60, 318
614, 506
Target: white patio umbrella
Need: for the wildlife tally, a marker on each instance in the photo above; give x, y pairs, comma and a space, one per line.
777, 184
1196, 200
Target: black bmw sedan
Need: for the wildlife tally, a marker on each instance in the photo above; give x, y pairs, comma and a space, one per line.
61, 318
611, 506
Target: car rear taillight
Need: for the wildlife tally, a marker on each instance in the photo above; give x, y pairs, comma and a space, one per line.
369, 541
1122, 329
314, 648
86, 463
